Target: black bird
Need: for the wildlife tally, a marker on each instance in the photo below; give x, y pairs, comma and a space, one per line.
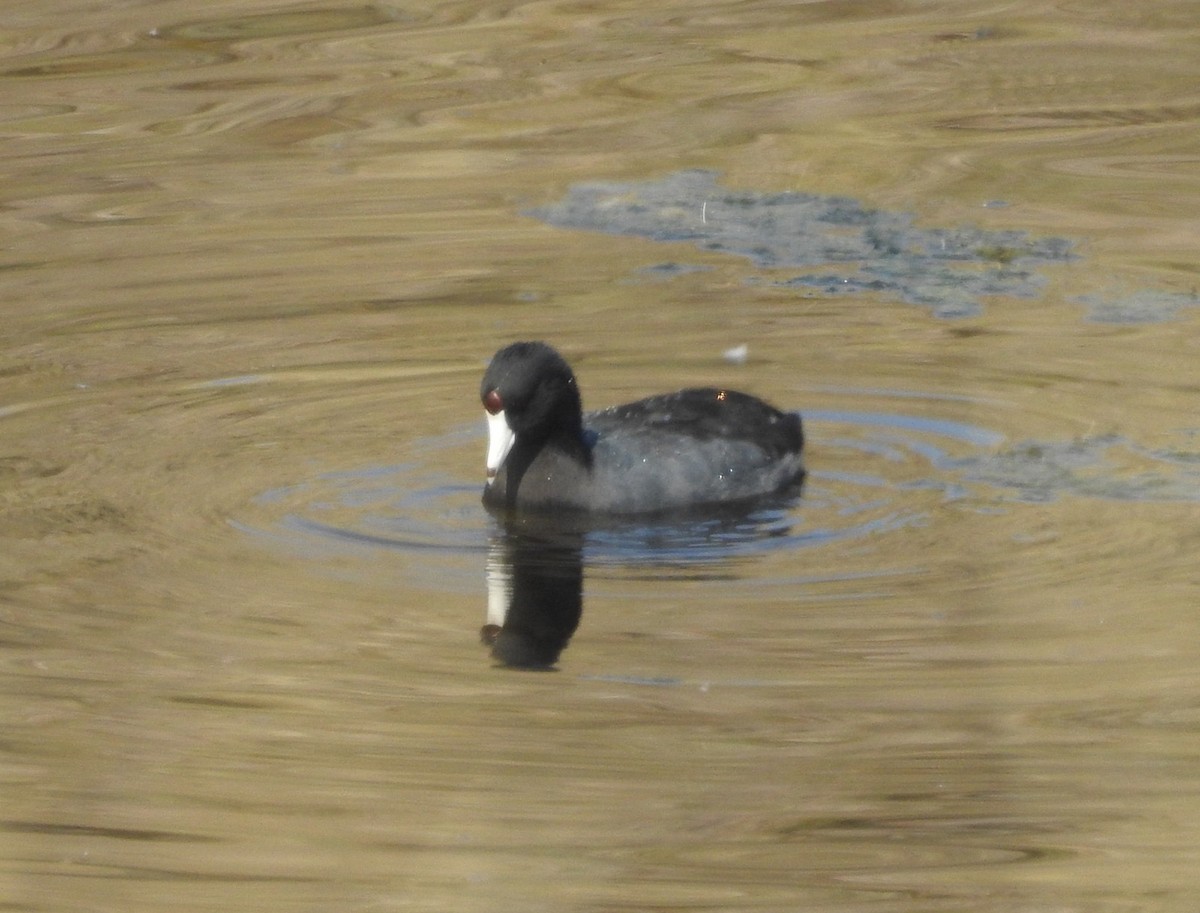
672, 452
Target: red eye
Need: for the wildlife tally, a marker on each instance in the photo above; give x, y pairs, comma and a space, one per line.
493, 403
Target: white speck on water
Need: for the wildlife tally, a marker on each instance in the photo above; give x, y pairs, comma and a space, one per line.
737, 355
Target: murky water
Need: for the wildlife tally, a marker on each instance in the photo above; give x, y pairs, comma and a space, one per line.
254, 258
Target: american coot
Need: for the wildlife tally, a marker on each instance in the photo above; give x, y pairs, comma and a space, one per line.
672, 452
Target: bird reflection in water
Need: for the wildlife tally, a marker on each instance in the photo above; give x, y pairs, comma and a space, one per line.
535, 593
535, 565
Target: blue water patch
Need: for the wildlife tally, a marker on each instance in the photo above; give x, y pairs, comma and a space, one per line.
671, 270
842, 246
1145, 306
1107, 467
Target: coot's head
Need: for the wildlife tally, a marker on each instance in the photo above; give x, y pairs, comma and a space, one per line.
530, 395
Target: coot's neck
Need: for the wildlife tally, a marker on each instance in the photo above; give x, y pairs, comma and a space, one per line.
564, 432
568, 438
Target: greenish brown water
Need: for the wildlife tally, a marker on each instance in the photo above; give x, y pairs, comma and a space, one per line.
254, 258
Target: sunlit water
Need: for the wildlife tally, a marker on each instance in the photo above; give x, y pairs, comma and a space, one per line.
254, 260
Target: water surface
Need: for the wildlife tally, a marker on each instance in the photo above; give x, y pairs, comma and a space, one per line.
254, 259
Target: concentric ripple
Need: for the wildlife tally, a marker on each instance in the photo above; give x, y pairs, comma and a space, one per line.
872, 474
892, 469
